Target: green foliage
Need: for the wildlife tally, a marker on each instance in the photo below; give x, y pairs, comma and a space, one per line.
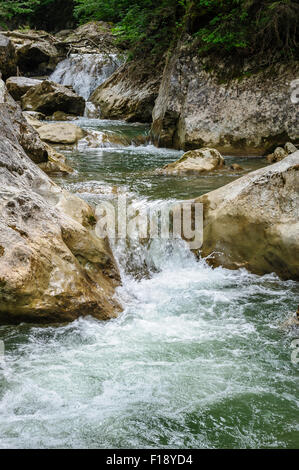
231, 27
254, 26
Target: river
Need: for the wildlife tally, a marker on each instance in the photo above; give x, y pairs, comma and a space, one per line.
197, 359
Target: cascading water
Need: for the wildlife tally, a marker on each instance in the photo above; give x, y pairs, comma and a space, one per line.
85, 72
197, 359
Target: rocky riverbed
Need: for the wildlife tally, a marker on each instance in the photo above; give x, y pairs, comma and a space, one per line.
145, 343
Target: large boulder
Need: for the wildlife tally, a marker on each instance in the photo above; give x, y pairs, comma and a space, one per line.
253, 222
281, 153
129, 93
37, 51
196, 161
8, 57
60, 133
53, 268
18, 86
49, 97
200, 106
56, 163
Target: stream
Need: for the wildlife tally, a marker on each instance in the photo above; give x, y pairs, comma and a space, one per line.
197, 359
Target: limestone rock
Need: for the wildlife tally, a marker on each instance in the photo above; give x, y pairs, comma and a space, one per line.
92, 37
290, 148
56, 162
60, 133
61, 116
49, 97
97, 139
41, 56
278, 155
236, 167
8, 57
253, 222
33, 121
18, 86
22, 130
196, 161
53, 268
37, 52
35, 114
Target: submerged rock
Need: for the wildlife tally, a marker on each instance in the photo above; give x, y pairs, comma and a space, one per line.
53, 268
49, 97
253, 222
21, 132
8, 57
18, 86
196, 161
293, 321
56, 162
60, 133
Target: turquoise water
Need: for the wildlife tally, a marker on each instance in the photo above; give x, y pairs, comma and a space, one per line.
197, 359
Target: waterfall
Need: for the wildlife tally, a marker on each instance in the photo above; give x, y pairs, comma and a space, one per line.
85, 72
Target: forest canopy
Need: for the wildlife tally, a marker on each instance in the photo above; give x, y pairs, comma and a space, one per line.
246, 27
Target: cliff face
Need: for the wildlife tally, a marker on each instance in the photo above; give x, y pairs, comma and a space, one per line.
243, 116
